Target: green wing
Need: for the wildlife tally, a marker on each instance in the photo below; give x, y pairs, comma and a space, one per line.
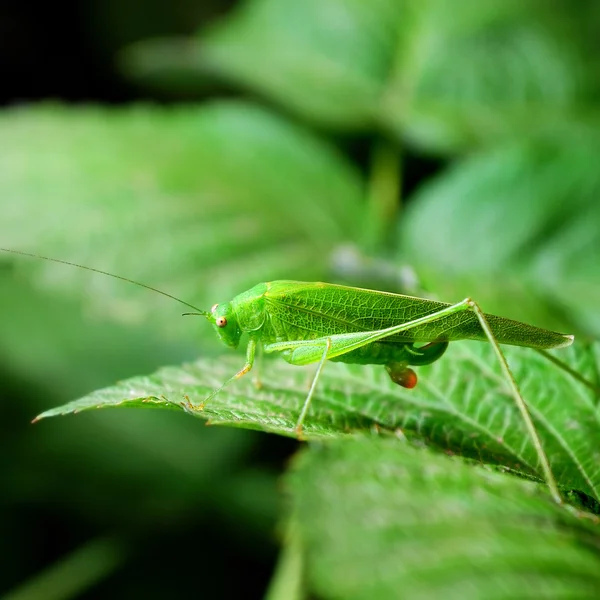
321, 309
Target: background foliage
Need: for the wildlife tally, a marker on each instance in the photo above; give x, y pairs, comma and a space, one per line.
398, 144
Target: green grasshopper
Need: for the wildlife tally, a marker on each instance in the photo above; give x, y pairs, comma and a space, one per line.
315, 322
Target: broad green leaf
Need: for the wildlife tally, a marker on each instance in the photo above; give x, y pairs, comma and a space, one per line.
461, 405
381, 519
446, 76
200, 202
516, 229
326, 61
478, 73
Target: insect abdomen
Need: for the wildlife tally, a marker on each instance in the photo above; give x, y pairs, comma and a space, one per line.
381, 353
377, 353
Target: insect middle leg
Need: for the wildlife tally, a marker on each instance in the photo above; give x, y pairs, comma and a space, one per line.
258, 369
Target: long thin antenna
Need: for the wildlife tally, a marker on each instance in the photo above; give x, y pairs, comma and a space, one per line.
72, 264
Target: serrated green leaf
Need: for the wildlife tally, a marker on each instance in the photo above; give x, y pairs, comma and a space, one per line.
535, 250
200, 202
461, 405
381, 519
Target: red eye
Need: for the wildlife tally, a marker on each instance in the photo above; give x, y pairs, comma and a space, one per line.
214, 307
221, 322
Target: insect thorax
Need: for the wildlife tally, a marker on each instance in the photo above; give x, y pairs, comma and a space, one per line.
249, 308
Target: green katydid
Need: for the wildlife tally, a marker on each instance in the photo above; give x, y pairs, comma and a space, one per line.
314, 322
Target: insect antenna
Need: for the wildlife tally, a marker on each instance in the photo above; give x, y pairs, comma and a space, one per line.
143, 285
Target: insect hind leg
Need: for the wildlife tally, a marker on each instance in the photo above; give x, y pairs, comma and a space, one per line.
427, 354
519, 401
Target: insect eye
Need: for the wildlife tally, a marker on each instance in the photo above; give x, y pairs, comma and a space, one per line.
221, 322
214, 307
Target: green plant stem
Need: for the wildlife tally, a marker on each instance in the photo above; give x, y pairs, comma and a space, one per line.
286, 583
75, 573
384, 193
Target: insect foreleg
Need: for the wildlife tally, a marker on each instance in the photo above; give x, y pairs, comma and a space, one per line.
250, 353
313, 386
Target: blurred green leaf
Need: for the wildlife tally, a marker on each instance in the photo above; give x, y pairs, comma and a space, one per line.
48, 342
516, 229
462, 405
324, 60
200, 202
474, 73
447, 76
380, 519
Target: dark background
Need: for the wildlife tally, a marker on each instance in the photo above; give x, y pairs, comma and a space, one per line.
66, 51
